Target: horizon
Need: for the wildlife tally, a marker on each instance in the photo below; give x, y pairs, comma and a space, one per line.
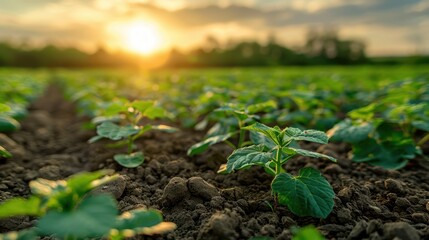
388, 28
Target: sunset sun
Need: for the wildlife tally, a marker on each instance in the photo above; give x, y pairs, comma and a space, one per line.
141, 37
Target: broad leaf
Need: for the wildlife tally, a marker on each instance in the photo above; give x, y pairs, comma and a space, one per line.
261, 107
307, 153
308, 233
258, 138
247, 156
20, 207
154, 112
141, 221
94, 217
116, 132
306, 135
4, 153
141, 106
271, 133
81, 183
203, 145
130, 160
308, 194
421, 125
4, 108
346, 131
388, 154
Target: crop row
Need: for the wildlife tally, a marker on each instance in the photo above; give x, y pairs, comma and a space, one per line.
385, 121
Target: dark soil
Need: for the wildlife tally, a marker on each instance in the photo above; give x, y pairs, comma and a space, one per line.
370, 203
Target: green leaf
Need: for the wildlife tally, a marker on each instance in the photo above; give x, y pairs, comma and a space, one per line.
95, 139
203, 145
258, 138
94, 217
8, 124
115, 132
270, 133
4, 108
82, 183
307, 135
307, 153
4, 153
130, 160
142, 106
46, 188
346, 131
308, 194
247, 156
154, 112
141, 221
20, 207
261, 107
422, 125
388, 154
365, 113
308, 233
115, 109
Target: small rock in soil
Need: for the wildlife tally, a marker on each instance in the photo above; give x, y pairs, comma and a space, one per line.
393, 185
333, 169
420, 217
373, 225
217, 202
268, 230
344, 215
50, 172
174, 191
401, 230
427, 206
358, 230
220, 226
115, 187
345, 194
288, 221
402, 202
151, 179
200, 188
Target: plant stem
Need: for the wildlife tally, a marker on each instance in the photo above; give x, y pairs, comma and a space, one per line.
241, 138
130, 145
230, 144
423, 140
278, 161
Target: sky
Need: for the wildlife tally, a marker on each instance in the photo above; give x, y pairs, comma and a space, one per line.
388, 27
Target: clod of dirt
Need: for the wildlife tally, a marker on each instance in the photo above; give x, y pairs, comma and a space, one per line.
358, 231
200, 188
221, 226
400, 230
373, 225
420, 217
345, 194
174, 191
393, 185
402, 202
50, 172
344, 215
115, 188
427, 206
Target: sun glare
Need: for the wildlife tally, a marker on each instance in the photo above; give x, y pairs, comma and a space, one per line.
141, 37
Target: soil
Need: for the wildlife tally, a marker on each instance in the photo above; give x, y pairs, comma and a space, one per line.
370, 202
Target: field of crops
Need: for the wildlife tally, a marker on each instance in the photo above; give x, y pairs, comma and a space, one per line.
270, 153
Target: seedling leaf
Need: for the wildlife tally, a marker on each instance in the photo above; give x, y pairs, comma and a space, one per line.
4, 153
20, 207
115, 132
308, 233
203, 145
270, 133
307, 135
94, 217
346, 131
307, 153
130, 160
247, 156
308, 194
165, 128
142, 221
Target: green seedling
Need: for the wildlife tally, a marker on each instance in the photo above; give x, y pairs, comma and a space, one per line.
65, 210
231, 119
4, 153
309, 193
121, 122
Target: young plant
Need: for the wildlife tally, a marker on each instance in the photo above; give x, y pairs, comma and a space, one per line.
66, 211
128, 128
230, 119
309, 193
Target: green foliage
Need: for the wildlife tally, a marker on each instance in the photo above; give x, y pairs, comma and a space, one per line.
128, 114
67, 211
4, 153
307, 233
309, 193
230, 120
